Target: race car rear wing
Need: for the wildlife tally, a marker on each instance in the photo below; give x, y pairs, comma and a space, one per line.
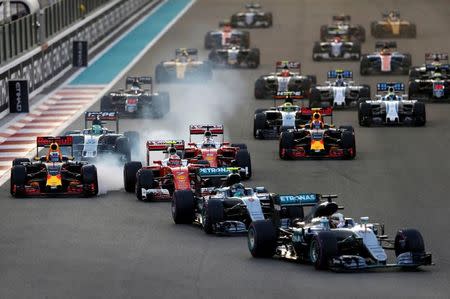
288, 96
253, 5
101, 117
379, 45
290, 65
214, 172
328, 111
189, 51
385, 86
46, 141
441, 57
341, 19
202, 129
162, 146
333, 74
142, 80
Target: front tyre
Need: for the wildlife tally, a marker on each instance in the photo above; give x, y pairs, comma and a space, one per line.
262, 239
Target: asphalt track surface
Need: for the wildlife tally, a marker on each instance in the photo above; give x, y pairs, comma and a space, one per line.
115, 247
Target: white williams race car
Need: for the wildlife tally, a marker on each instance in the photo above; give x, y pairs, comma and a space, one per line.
391, 107
339, 90
336, 49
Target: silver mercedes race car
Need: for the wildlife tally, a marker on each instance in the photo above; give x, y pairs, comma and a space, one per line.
235, 56
342, 27
385, 60
339, 90
185, 67
252, 17
391, 107
336, 49
287, 77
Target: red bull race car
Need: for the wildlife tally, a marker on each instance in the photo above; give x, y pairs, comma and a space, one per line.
53, 174
318, 139
217, 153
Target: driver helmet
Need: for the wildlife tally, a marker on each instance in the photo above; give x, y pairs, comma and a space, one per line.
337, 220
391, 94
287, 107
285, 72
385, 51
317, 121
237, 190
135, 86
232, 179
227, 28
393, 15
208, 141
97, 130
54, 154
339, 80
337, 39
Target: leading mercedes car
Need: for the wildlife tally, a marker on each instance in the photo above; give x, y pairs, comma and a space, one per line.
252, 17
137, 99
391, 107
318, 139
393, 26
385, 60
328, 240
53, 174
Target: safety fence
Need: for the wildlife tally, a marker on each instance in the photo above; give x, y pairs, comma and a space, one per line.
48, 61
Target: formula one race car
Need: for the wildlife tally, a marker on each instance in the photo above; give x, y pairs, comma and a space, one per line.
221, 38
185, 67
53, 174
269, 123
136, 101
318, 139
391, 107
234, 55
339, 90
252, 17
336, 49
217, 153
393, 26
225, 210
160, 178
100, 142
432, 80
328, 240
341, 27
385, 60
286, 78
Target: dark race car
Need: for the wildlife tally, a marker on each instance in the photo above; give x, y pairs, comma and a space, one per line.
339, 90
393, 26
342, 27
328, 240
385, 60
234, 55
53, 174
185, 67
336, 49
228, 209
432, 80
222, 37
318, 139
136, 100
391, 107
252, 17
97, 141
287, 77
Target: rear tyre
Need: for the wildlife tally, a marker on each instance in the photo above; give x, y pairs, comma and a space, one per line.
212, 214
122, 147
260, 86
183, 207
420, 116
89, 180
106, 103
364, 114
315, 98
348, 144
144, 180
243, 161
286, 143
262, 239
18, 180
259, 124
130, 169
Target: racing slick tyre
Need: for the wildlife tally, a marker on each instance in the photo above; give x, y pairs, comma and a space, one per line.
269, 19
413, 89
323, 248
212, 214
239, 145
262, 239
360, 33
364, 66
209, 41
365, 91
183, 205
160, 105
259, 124
356, 50
323, 33
123, 147
312, 79
19, 161
253, 58
420, 117
130, 169
364, 114
260, 87
413, 74
348, 144
144, 180
245, 41
315, 98
243, 161
106, 103
409, 240
89, 180
161, 74
376, 30
18, 180
286, 143
316, 50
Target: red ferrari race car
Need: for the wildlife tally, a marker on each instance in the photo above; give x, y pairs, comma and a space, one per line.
53, 174
160, 178
318, 139
217, 153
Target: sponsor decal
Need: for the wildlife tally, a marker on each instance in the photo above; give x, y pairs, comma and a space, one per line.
304, 198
